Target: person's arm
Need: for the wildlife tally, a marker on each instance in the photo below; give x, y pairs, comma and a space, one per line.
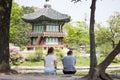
55, 64
44, 62
74, 60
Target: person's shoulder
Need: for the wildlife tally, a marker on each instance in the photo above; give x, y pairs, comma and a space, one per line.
53, 56
45, 57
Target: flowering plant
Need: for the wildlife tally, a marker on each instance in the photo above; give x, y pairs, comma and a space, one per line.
16, 57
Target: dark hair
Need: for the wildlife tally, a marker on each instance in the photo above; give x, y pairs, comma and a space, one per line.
50, 50
69, 52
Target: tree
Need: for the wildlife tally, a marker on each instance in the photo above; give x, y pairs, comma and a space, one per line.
103, 39
5, 11
15, 21
18, 28
97, 71
114, 22
27, 9
111, 32
73, 41
100, 38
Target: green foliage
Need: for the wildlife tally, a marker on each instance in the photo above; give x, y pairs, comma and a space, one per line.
116, 60
27, 9
103, 35
87, 50
18, 28
30, 56
29, 63
80, 61
59, 53
39, 54
76, 53
77, 34
109, 34
114, 22
105, 49
16, 59
35, 56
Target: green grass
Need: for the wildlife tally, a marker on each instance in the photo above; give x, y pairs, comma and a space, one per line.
80, 61
28, 63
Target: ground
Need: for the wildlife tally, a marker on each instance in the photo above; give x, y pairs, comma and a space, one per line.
39, 76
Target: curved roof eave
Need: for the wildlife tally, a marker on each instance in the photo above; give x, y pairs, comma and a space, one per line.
44, 18
46, 14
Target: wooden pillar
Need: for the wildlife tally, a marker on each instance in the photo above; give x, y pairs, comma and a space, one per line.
38, 40
59, 41
59, 28
32, 27
45, 27
44, 39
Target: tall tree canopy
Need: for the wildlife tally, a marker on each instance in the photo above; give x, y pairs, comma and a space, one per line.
114, 26
18, 28
79, 29
111, 32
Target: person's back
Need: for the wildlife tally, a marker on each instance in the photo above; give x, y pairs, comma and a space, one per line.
50, 62
69, 64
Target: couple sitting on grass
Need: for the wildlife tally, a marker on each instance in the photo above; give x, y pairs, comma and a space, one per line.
67, 61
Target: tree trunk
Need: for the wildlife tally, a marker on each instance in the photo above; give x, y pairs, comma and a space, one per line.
103, 65
5, 10
100, 69
113, 44
93, 60
97, 72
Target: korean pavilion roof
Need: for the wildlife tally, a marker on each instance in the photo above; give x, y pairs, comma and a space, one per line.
47, 13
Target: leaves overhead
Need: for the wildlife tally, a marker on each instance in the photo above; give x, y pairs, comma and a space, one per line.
18, 28
77, 34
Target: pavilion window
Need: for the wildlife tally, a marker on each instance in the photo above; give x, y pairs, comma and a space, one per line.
38, 28
52, 28
34, 40
52, 40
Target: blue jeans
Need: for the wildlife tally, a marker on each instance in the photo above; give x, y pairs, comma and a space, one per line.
50, 71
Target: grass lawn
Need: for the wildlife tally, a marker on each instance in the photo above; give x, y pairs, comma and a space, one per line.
80, 61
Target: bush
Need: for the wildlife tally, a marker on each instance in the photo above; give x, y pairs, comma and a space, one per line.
16, 57
76, 53
59, 53
35, 56
104, 49
116, 60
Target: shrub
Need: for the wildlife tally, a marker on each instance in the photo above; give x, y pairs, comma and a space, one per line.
16, 57
59, 53
116, 60
104, 49
37, 55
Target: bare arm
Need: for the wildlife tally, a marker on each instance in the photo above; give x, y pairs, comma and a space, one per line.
55, 64
44, 62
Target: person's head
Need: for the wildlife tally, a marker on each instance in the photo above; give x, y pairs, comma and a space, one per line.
50, 50
69, 52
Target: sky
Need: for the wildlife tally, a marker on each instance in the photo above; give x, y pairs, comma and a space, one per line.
81, 10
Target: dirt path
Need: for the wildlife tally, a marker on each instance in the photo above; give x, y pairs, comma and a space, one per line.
41, 77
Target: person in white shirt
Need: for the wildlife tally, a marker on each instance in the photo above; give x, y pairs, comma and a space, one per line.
50, 65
